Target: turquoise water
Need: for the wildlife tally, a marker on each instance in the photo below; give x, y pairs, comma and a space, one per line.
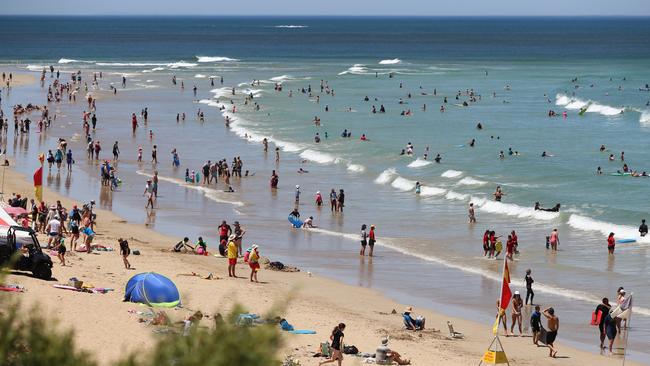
519, 77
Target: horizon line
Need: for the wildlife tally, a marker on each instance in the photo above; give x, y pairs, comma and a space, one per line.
327, 15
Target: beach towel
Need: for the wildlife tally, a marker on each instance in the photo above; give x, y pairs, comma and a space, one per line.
302, 331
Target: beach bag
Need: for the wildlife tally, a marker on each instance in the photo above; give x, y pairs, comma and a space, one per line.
596, 317
350, 350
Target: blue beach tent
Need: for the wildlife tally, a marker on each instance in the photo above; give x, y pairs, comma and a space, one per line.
152, 289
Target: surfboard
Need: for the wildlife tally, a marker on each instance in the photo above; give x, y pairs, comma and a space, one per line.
295, 222
623, 241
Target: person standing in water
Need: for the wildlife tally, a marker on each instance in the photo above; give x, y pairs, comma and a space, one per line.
643, 229
554, 240
371, 240
498, 194
471, 214
529, 287
611, 243
603, 308
364, 240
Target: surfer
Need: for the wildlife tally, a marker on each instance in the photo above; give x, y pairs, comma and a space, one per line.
555, 208
643, 229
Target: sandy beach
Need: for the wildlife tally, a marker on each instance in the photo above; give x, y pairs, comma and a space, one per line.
107, 327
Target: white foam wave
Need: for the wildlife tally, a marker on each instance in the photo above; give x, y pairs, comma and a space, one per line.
356, 69
180, 64
319, 157
281, 78
621, 231
221, 92
356, 168
69, 61
591, 106
511, 209
403, 184
200, 76
492, 275
212, 194
35, 67
125, 64
419, 163
386, 176
291, 26
390, 62
431, 191
154, 69
645, 118
451, 174
469, 181
451, 195
203, 59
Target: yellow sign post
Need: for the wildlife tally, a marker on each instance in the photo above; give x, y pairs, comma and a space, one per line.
495, 354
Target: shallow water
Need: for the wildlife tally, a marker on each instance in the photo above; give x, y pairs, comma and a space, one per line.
432, 250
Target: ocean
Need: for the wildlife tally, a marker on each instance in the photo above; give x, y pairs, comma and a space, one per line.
510, 71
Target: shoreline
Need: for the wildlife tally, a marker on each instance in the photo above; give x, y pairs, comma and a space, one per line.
315, 303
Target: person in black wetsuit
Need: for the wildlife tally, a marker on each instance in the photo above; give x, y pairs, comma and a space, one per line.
643, 229
603, 308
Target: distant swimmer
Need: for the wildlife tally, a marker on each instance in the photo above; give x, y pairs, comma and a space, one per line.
501, 155
611, 157
479, 126
602, 148
418, 187
363, 137
471, 214
317, 138
472, 143
599, 171
302, 171
438, 158
555, 208
498, 194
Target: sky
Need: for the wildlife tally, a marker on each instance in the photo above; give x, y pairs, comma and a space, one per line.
329, 7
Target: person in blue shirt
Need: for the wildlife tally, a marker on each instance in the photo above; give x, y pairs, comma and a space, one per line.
412, 323
536, 324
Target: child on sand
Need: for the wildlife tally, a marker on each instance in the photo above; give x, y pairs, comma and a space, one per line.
125, 251
253, 262
61, 249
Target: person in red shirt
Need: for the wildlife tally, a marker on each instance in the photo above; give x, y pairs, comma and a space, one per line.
134, 122
611, 243
510, 248
515, 241
371, 239
486, 242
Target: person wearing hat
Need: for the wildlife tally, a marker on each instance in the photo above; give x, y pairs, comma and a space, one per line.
148, 192
386, 356
239, 235
232, 255
54, 230
517, 304
413, 323
254, 262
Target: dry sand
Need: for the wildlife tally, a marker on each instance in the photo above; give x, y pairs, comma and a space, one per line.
103, 324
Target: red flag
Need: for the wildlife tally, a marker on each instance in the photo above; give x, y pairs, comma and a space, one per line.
506, 294
38, 184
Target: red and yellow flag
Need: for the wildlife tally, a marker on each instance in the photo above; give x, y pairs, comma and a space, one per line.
506, 295
38, 180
